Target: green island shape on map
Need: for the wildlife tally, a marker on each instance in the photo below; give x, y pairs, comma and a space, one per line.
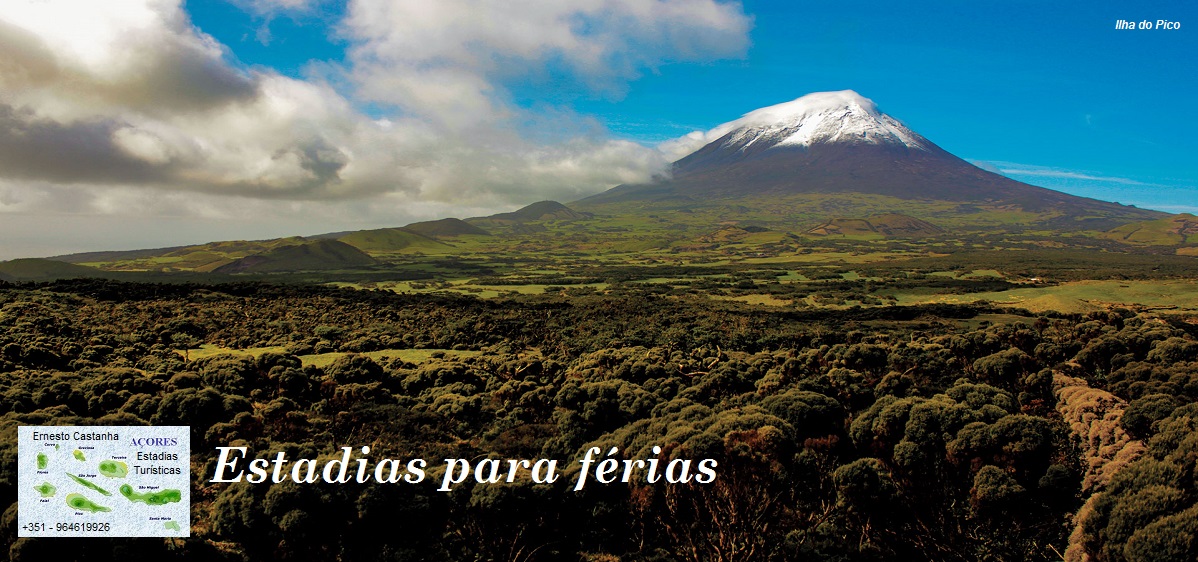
89, 484
114, 469
47, 490
152, 498
42, 461
81, 503
78, 455
172, 525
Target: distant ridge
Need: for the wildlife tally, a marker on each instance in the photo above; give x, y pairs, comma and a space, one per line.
115, 255
198, 257
309, 256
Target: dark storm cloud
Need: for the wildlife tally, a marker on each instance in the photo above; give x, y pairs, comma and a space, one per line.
42, 149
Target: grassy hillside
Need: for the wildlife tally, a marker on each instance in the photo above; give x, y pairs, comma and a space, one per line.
1169, 231
310, 256
37, 269
803, 210
387, 240
785, 230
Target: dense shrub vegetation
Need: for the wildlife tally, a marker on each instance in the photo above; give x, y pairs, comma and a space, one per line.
898, 433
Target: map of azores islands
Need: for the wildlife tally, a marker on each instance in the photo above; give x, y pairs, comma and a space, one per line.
103, 481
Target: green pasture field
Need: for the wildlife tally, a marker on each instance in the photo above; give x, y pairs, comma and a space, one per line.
1082, 296
755, 250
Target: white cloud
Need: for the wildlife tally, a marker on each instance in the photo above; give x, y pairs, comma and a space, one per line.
1148, 193
675, 149
447, 60
272, 6
1029, 170
143, 145
124, 106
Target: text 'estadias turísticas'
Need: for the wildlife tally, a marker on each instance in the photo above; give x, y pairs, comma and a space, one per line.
232, 466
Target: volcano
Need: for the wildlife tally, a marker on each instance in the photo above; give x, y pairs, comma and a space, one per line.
840, 143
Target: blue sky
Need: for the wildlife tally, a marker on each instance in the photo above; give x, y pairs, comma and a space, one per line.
1030, 88
174, 122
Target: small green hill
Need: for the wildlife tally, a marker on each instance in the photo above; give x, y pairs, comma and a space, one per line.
447, 228
890, 224
386, 240
214, 255
319, 255
37, 269
539, 211
1169, 231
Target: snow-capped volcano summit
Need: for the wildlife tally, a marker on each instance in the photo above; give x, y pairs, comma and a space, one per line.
839, 145
822, 117
819, 134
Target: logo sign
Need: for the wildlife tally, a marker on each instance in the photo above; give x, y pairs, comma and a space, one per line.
103, 481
